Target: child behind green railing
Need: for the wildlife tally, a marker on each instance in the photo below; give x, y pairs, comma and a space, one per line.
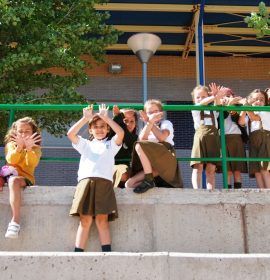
259, 128
206, 142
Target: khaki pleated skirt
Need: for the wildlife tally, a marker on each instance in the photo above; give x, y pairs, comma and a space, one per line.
259, 147
94, 196
235, 148
163, 160
119, 171
206, 143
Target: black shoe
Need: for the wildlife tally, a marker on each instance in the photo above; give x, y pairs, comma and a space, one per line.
144, 186
237, 185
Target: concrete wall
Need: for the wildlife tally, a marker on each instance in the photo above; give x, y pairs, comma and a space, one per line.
137, 266
162, 234
174, 220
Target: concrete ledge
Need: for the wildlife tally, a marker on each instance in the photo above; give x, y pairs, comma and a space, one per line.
117, 266
174, 220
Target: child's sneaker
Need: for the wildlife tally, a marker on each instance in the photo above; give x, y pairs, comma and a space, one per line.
12, 230
145, 186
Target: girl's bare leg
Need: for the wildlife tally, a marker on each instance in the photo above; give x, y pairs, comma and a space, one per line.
266, 178
210, 176
196, 177
103, 228
135, 180
83, 231
15, 184
259, 180
146, 164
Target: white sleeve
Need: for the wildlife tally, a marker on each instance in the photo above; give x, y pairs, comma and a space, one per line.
167, 125
115, 147
81, 145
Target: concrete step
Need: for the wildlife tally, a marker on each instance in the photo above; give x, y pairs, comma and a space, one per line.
143, 266
170, 220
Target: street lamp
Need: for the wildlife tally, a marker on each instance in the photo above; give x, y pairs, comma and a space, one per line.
144, 45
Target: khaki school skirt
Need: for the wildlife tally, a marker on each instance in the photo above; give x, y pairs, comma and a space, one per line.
259, 147
119, 171
163, 160
235, 148
206, 143
94, 196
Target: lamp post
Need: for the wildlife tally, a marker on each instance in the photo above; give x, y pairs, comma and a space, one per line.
144, 45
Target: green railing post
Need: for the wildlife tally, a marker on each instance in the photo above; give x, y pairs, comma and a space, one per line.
223, 150
11, 117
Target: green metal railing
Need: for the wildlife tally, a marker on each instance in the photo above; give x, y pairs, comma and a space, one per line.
12, 108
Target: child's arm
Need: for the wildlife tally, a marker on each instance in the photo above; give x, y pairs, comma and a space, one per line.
242, 118
119, 132
74, 130
207, 100
150, 124
32, 157
161, 134
252, 116
32, 147
13, 154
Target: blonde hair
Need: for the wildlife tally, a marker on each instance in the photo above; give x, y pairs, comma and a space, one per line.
153, 102
13, 129
199, 87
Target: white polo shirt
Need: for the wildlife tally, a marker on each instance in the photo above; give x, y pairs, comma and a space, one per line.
230, 126
97, 157
164, 124
196, 115
264, 123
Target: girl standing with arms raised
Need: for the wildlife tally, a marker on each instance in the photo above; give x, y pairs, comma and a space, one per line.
23, 152
94, 196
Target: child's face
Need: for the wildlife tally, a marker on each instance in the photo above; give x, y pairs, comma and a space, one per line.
151, 109
130, 121
257, 99
227, 97
99, 129
199, 95
24, 129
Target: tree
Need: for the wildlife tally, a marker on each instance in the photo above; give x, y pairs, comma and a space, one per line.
259, 21
36, 37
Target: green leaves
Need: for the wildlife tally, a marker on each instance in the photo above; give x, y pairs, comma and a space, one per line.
259, 21
43, 34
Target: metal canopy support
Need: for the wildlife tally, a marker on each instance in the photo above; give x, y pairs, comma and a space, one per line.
190, 36
200, 76
200, 72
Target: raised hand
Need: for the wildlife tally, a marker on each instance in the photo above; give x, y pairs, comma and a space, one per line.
103, 111
32, 141
155, 117
234, 100
18, 139
143, 116
244, 101
88, 112
214, 89
116, 111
